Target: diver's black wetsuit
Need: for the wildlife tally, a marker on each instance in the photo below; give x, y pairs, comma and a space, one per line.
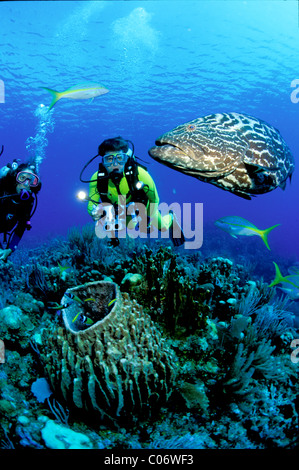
14, 212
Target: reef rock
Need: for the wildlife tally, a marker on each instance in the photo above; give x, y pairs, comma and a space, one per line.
57, 436
11, 317
15, 325
119, 366
132, 280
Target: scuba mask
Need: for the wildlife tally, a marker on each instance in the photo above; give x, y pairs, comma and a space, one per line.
127, 155
23, 176
119, 158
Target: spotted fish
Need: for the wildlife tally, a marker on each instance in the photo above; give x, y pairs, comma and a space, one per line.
236, 152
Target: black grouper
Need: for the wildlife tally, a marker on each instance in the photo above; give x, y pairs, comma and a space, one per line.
236, 152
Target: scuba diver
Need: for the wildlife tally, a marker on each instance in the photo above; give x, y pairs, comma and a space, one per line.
119, 174
19, 185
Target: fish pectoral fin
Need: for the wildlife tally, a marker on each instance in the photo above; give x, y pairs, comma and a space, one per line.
254, 168
213, 174
91, 100
243, 195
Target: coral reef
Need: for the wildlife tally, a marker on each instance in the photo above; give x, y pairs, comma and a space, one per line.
119, 366
202, 326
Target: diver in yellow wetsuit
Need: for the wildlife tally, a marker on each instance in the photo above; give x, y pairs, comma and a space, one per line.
120, 175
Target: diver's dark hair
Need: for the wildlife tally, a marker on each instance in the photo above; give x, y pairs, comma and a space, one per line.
111, 145
9, 181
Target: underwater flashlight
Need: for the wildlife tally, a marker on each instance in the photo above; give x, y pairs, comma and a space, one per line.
139, 185
82, 196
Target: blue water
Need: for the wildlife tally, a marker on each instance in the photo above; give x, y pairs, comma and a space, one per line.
164, 63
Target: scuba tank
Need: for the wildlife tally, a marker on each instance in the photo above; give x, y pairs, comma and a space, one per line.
4, 172
9, 166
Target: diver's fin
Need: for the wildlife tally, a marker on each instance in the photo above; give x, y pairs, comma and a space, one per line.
175, 232
113, 242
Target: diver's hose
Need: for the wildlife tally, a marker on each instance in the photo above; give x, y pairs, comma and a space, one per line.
24, 195
9, 195
84, 168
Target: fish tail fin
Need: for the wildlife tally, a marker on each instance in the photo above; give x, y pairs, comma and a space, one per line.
55, 96
278, 276
264, 235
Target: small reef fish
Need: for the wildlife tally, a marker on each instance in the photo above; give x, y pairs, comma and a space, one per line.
72, 298
77, 92
235, 152
82, 319
111, 302
290, 284
62, 268
56, 306
235, 225
76, 298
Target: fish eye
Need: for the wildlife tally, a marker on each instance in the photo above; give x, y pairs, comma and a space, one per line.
191, 127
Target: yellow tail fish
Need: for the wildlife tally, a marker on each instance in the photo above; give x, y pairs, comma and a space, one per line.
289, 284
77, 92
235, 225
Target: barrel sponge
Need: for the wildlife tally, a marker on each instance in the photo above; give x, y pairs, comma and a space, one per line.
120, 366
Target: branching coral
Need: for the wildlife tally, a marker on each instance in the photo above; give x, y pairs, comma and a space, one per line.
169, 291
247, 362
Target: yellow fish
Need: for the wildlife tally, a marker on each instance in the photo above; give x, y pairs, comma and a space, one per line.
83, 319
62, 268
289, 284
77, 92
76, 298
111, 302
57, 306
235, 225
